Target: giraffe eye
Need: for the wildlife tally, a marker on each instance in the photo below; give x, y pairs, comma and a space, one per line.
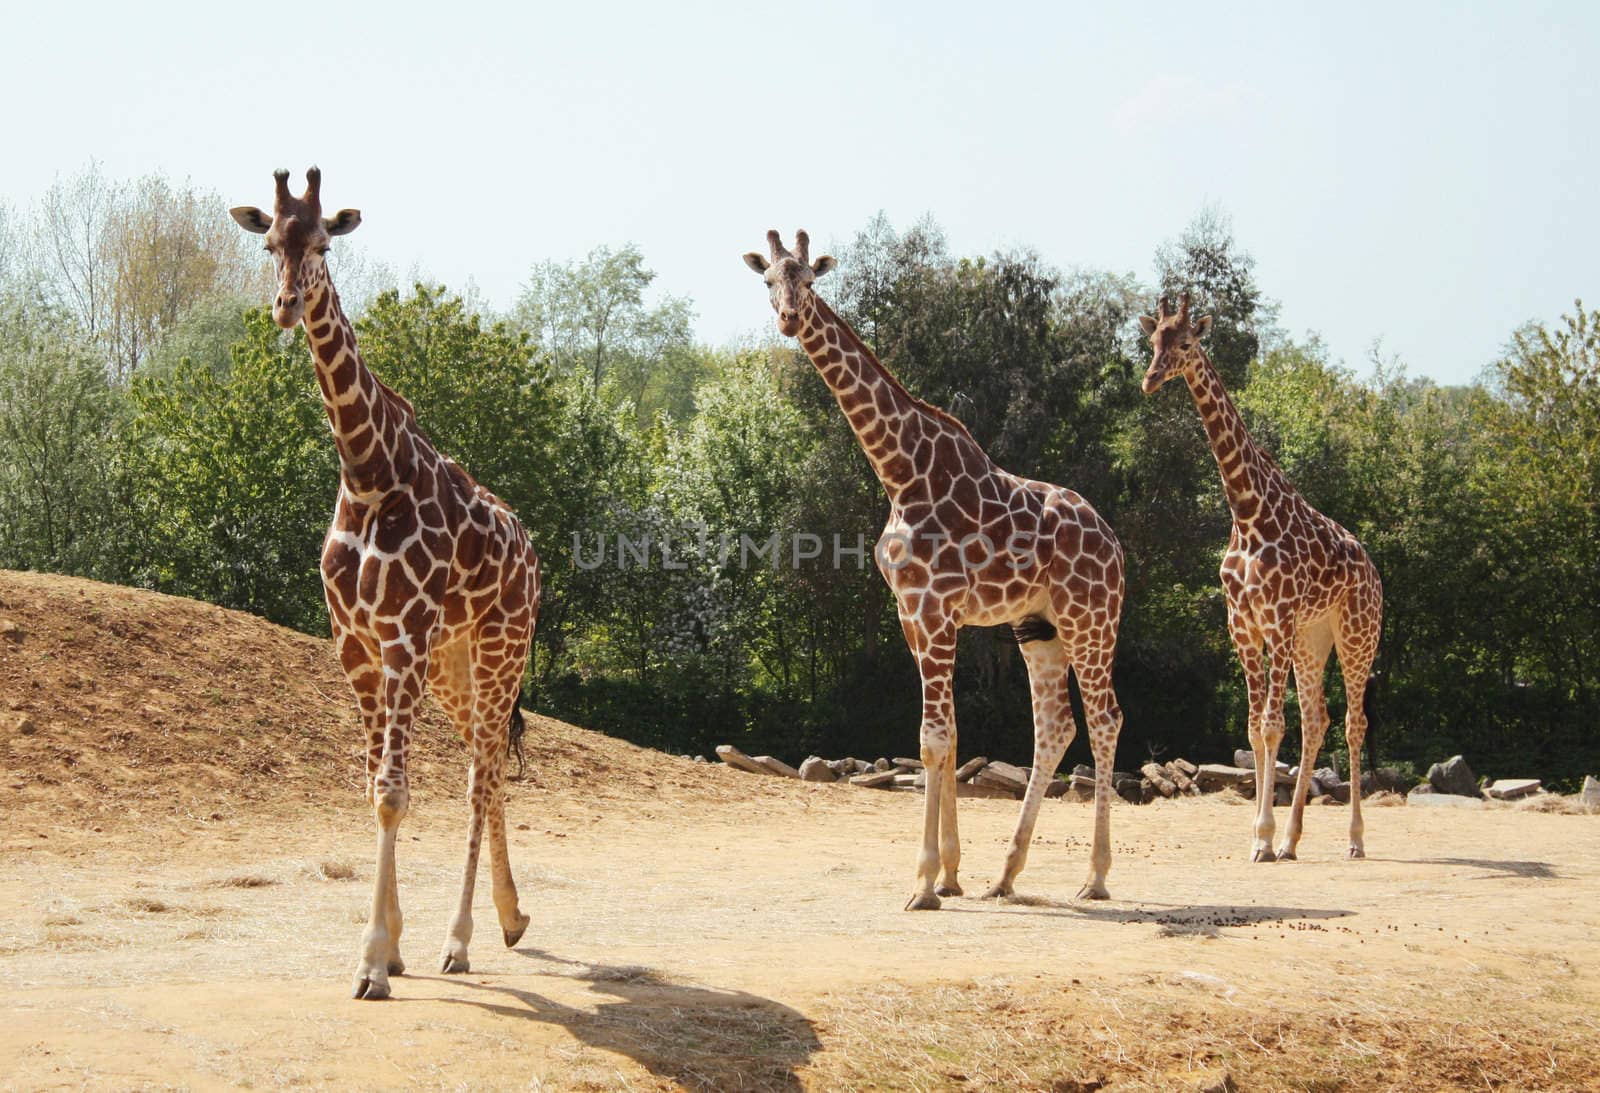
1186, 345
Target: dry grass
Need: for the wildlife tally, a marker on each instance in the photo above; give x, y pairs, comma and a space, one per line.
1001, 1034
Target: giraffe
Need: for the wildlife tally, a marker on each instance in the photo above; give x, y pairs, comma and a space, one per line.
1296, 583
430, 581
969, 544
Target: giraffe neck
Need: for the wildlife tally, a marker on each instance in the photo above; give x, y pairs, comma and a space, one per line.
1246, 474
373, 427
887, 419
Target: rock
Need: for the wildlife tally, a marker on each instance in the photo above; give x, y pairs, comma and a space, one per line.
777, 766
975, 789
738, 760
1214, 776
1179, 776
1283, 796
882, 765
1129, 788
1509, 789
1426, 798
1453, 776
908, 764
843, 767
1185, 766
1083, 770
1080, 788
1057, 787
700, 759
22, 724
1339, 791
11, 632
1244, 758
874, 780
907, 781
817, 769
1157, 777
1005, 775
970, 767
1590, 796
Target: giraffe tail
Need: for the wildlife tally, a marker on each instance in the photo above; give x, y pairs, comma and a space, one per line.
1032, 628
515, 730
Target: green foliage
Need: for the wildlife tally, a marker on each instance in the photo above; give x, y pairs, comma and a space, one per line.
237, 478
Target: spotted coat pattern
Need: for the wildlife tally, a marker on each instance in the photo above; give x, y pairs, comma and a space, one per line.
970, 544
431, 583
1297, 585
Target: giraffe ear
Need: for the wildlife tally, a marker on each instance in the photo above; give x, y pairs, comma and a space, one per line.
1201, 326
1147, 323
756, 262
251, 219
823, 265
343, 222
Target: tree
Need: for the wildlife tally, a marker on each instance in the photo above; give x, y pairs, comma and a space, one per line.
59, 418
591, 317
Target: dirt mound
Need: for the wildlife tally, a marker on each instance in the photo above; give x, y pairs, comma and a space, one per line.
120, 706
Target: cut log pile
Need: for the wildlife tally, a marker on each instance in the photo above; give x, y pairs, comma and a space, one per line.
983, 777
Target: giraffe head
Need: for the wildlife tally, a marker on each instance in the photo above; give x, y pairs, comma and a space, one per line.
789, 278
1175, 339
297, 238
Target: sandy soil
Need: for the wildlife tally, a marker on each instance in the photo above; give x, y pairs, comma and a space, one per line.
695, 927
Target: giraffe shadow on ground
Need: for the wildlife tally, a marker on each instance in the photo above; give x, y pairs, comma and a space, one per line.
700, 1037
1496, 869
1174, 919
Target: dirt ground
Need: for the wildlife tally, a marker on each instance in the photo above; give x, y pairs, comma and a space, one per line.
193, 923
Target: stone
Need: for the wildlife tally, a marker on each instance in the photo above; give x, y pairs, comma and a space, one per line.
777, 766
1057, 787
843, 767
1129, 789
1214, 776
881, 765
22, 724
1453, 776
907, 781
738, 760
975, 789
1243, 757
1185, 766
908, 764
1083, 770
1283, 796
817, 769
1157, 777
1433, 798
874, 780
1004, 774
1339, 791
1179, 777
700, 759
970, 767
1590, 796
1509, 789
11, 632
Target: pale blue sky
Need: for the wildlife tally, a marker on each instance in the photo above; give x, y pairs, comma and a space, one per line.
1420, 173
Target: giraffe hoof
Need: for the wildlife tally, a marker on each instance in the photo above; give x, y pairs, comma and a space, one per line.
951, 889
370, 989
1357, 852
1286, 855
515, 935
923, 901
1093, 891
1263, 854
454, 965
397, 966
997, 891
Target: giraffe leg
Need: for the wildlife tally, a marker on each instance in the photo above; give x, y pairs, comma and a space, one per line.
453, 959
1310, 658
404, 672
499, 687
1247, 644
936, 650
1266, 748
1053, 730
949, 838
1104, 718
1356, 638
